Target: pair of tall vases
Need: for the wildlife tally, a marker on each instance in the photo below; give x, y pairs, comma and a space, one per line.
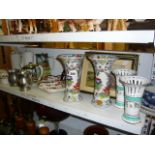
129, 88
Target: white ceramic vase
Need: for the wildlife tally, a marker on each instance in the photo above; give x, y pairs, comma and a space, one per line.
72, 64
102, 65
119, 86
134, 89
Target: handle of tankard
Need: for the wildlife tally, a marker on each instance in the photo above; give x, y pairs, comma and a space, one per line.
41, 72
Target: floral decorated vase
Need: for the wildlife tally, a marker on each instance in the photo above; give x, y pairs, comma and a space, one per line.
72, 64
119, 86
102, 65
134, 89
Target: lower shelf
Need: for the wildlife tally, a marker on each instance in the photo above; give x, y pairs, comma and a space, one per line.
110, 116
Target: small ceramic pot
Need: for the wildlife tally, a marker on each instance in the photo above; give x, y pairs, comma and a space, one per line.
102, 64
119, 86
4, 80
4, 77
72, 64
134, 89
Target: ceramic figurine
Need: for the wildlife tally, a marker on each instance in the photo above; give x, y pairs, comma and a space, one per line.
20, 26
134, 89
102, 64
72, 64
49, 23
72, 26
32, 26
83, 27
97, 23
1, 28
61, 23
90, 24
81, 24
119, 86
94, 24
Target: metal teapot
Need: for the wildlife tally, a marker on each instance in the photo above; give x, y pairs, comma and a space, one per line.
12, 77
24, 80
35, 72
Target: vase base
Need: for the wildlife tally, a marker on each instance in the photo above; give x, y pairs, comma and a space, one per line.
102, 105
119, 105
74, 100
130, 119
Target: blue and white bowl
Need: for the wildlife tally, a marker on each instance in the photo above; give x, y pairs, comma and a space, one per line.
149, 95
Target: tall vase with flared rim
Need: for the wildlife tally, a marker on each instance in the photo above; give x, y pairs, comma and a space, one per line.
102, 65
119, 86
72, 64
134, 89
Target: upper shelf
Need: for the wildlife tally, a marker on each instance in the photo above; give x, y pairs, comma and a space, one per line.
140, 36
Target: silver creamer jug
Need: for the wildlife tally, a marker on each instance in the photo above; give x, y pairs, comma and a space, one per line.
24, 80
12, 77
